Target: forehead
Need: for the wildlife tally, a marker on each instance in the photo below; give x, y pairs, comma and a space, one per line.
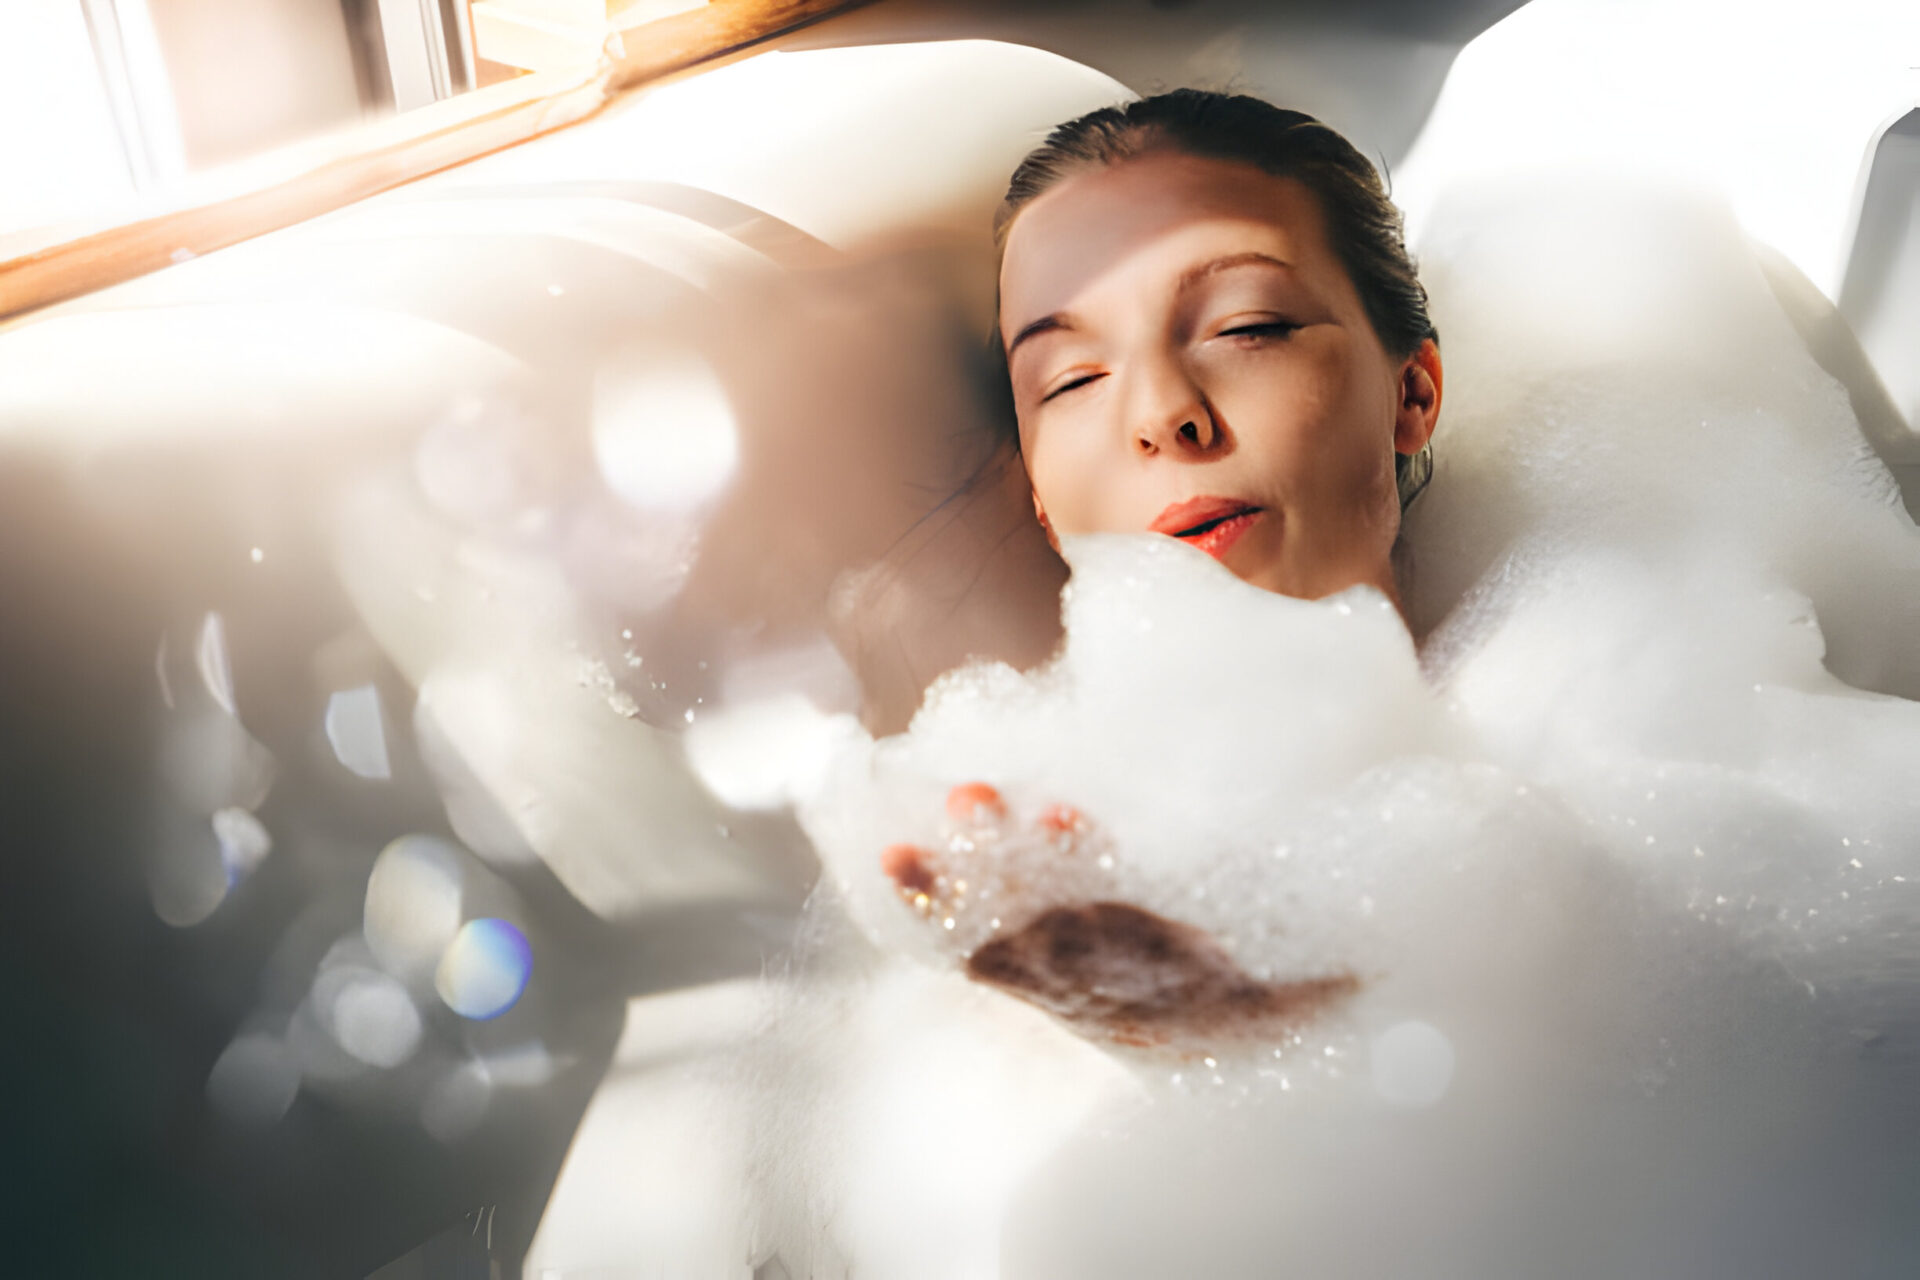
1145, 220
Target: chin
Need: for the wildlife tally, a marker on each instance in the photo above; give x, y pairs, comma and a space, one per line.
1271, 577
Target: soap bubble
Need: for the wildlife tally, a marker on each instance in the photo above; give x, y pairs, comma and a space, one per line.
485, 969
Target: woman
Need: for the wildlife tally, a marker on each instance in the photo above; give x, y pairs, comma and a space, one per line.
1212, 331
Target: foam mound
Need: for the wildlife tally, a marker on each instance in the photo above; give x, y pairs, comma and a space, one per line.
1619, 869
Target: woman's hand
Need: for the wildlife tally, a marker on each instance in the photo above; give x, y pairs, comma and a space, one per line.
1135, 976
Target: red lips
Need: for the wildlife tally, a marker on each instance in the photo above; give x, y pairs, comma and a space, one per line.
1211, 524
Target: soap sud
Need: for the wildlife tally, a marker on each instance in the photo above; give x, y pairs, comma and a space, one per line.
1273, 771
1699, 574
1624, 858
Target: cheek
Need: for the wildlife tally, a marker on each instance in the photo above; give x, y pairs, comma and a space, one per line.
1353, 425
1324, 434
1071, 483
1295, 414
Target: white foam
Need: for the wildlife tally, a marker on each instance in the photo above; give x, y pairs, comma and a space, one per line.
1630, 872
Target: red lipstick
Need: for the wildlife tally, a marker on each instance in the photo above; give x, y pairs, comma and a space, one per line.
1211, 524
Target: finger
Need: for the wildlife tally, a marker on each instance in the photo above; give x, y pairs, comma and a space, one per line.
908, 866
975, 802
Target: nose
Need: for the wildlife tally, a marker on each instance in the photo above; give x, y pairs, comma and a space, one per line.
1169, 413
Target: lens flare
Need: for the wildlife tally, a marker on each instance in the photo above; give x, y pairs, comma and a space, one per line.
210, 762
414, 903
244, 843
464, 724
457, 1103
766, 753
354, 730
485, 970
210, 656
522, 1066
375, 1021
470, 463
191, 874
255, 1079
367, 1013
186, 880
663, 432
1412, 1064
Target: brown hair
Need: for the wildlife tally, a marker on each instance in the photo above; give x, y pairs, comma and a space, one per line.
1364, 228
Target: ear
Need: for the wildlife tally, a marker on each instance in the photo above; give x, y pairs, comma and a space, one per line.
1419, 407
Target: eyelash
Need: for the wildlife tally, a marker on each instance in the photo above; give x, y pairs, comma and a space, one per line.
1080, 381
1262, 329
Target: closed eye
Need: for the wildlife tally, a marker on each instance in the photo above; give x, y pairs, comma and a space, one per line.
1261, 329
1065, 387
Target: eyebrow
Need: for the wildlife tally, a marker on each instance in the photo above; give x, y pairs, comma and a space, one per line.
1058, 322
1194, 275
1045, 324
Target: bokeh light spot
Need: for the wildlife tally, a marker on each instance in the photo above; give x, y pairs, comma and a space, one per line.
244, 843
414, 903
355, 732
1412, 1064
457, 1102
210, 656
766, 753
188, 877
664, 434
485, 969
255, 1079
368, 1014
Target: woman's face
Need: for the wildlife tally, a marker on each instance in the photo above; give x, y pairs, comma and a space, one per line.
1188, 356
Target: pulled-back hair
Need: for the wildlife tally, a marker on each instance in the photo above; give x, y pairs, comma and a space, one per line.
1364, 228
